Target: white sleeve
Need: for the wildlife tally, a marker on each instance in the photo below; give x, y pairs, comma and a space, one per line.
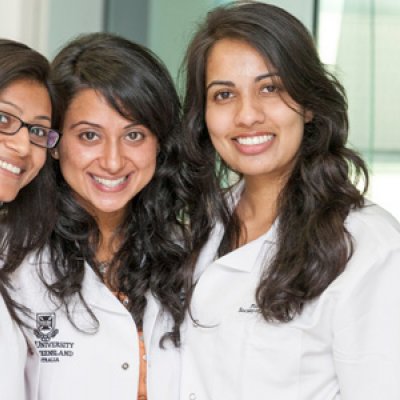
366, 342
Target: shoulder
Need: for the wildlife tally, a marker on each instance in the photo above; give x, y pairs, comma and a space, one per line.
376, 248
373, 225
28, 278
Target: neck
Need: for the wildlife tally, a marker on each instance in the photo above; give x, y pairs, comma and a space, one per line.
257, 208
108, 224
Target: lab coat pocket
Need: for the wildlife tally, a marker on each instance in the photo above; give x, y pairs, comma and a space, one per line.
230, 342
271, 360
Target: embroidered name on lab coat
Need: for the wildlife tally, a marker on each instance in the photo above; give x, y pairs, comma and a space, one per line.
50, 351
252, 309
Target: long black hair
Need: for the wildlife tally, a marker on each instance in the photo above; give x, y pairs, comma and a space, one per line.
25, 222
137, 85
313, 245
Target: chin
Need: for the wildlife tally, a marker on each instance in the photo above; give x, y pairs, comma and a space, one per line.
8, 197
109, 208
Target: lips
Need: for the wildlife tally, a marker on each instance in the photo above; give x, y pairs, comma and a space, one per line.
253, 144
10, 167
254, 140
110, 183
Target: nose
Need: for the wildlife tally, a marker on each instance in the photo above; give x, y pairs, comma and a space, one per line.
112, 159
20, 142
249, 111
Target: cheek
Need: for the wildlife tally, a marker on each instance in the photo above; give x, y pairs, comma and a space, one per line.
145, 156
38, 161
39, 158
215, 122
148, 161
72, 157
216, 126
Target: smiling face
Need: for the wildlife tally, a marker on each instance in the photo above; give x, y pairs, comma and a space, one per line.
105, 158
253, 123
21, 161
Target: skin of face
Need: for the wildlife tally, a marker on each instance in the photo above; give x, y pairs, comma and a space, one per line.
105, 158
254, 125
20, 160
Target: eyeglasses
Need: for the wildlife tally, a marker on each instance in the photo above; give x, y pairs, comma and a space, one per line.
38, 135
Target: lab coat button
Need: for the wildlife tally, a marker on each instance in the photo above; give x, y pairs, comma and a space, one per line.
192, 396
125, 366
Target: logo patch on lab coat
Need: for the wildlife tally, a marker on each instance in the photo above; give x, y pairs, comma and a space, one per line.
50, 351
45, 326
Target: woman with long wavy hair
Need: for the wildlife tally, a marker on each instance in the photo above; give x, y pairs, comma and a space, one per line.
119, 232
293, 276
26, 200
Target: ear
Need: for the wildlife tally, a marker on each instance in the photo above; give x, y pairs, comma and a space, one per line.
54, 154
308, 116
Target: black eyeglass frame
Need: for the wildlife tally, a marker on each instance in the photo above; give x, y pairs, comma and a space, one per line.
24, 124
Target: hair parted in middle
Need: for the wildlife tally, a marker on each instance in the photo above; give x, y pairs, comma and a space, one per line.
313, 244
138, 86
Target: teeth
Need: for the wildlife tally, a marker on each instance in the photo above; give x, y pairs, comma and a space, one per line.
9, 167
110, 183
252, 140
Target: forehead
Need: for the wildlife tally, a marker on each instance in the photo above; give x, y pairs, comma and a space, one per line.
231, 57
26, 98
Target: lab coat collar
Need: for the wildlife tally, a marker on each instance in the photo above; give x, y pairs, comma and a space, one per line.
246, 257
97, 294
242, 259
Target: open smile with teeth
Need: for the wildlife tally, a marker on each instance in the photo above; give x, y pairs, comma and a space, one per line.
110, 183
10, 167
254, 140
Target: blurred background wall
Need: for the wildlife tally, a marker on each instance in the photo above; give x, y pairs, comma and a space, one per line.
357, 39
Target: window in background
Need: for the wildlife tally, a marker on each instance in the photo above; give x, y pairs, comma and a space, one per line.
359, 39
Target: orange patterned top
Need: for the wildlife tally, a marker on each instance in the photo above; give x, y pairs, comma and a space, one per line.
142, 389
142, 392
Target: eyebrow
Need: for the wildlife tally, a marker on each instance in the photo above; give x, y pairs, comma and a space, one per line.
94, 125
19, 109
12, 105
231, 84
43, 117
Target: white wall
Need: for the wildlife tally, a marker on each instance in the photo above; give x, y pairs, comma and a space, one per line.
69, 18
25, 21
46, 25
302, 9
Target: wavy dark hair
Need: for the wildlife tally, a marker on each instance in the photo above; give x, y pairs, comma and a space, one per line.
137, 85
25, 222
313, 245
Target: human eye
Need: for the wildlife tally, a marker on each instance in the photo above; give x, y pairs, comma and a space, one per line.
5, 120
134, 136
38, 131
269, 89
89, 136
222, 95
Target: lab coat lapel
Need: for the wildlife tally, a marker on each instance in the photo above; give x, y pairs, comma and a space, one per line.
96, 293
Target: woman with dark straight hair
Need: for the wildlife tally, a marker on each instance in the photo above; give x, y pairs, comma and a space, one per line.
294, 289
26, 199
119, 234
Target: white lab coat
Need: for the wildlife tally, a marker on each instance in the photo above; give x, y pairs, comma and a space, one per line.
19, 361
84, 365
345, 345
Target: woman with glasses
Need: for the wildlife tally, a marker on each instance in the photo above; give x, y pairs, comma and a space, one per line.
295, 274
121, 189
26, 210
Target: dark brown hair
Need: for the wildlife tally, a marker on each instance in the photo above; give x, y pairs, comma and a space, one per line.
138, 86
26, 222
313, 245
